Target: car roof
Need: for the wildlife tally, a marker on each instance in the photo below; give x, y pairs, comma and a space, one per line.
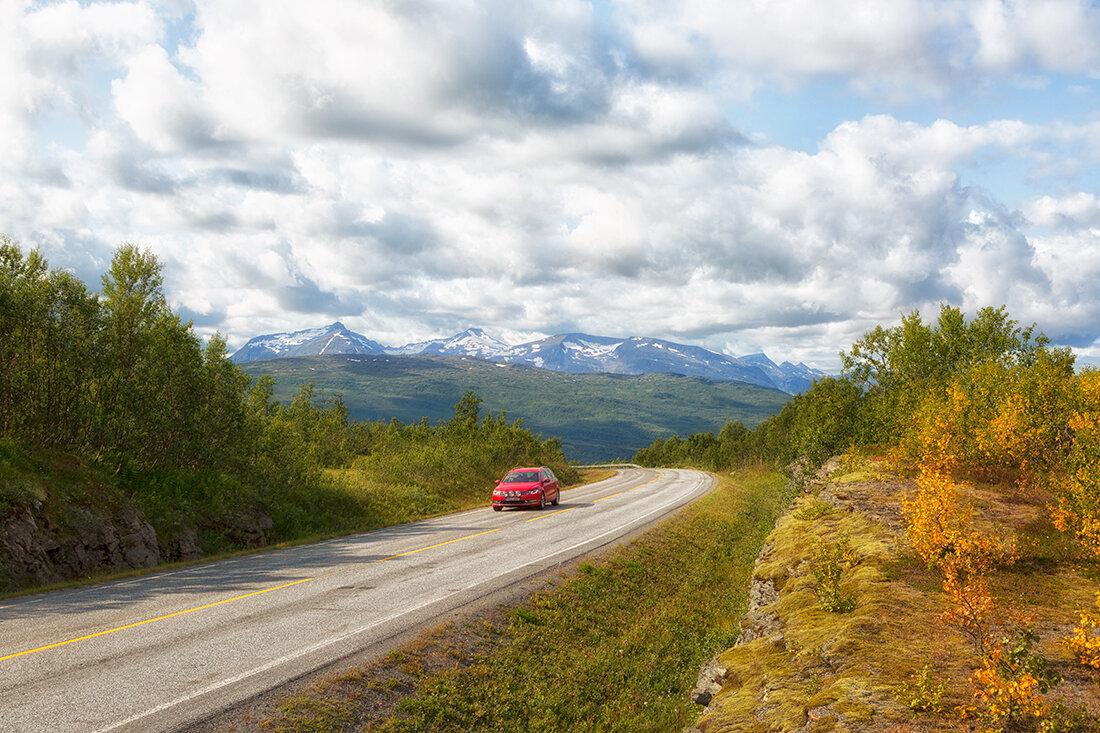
526, 468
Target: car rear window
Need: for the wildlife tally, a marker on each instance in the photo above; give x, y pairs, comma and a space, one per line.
521, 477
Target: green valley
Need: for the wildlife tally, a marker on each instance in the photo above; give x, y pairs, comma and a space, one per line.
596, 416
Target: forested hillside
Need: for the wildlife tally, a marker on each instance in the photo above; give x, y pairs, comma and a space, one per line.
125, 440
598, 417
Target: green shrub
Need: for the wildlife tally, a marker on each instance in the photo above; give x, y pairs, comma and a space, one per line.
828, 568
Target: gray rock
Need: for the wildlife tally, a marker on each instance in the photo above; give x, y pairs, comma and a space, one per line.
137, 541
34, 550
25, 549
710, 682
761, 619
185, 546
759, 625
248, 530
762, 593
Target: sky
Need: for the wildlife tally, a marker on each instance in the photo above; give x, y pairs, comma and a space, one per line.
745, 176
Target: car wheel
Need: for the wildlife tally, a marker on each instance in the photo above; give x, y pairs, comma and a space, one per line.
557, 498
497, 508
542, 500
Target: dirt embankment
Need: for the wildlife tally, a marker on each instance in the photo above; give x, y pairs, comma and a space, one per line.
800, 667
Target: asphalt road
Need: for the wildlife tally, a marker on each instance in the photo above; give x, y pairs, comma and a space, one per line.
164, 651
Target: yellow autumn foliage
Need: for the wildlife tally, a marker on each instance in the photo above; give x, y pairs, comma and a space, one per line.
1085, 639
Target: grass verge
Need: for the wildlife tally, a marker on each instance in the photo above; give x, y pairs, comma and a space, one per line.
614, 646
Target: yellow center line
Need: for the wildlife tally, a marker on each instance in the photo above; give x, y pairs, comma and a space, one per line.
544, 516
441, 544
151, 620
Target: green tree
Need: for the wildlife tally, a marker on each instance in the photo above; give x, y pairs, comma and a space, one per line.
467, 412
898, 367
133, 304
47, 323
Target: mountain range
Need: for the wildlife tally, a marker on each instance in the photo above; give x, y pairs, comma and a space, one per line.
574, 353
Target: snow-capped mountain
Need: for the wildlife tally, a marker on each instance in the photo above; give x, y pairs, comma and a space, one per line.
331, 339
471, 342
648, 355
577, 353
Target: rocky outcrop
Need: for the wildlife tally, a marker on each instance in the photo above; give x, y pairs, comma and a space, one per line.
24, 549
249, 529
761, 619
182, 547
709, 683
35, 550
797, 667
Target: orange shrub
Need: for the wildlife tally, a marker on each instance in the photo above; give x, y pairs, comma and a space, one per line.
1010, 685
1085, 639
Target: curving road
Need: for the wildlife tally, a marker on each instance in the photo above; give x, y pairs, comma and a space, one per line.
165, 651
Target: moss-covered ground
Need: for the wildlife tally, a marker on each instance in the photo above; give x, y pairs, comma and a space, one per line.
861, 669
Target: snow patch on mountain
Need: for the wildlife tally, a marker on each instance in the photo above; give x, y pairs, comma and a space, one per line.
471, 342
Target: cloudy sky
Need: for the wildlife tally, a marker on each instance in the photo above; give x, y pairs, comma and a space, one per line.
744, 175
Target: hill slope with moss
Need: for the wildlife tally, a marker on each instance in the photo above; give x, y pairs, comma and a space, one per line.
848, 631
999, 436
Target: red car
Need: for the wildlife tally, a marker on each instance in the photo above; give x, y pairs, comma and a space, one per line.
527, 487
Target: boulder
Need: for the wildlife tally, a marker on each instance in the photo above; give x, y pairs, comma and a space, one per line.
25, 549
137, 540
760, 620
249, 530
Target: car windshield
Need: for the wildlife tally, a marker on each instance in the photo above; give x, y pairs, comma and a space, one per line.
521, 477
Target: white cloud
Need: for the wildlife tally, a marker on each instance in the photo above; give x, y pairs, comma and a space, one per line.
1076, 210
1049, 35
669, 49
886, 48
56, 55
430, 73
808, 37
161, 105
412, 168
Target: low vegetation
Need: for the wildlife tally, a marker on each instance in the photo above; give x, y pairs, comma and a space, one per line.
892, 658
401, 473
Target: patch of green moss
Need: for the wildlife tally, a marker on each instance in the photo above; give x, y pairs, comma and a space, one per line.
66, 487
765, 686
854, 477
831, 671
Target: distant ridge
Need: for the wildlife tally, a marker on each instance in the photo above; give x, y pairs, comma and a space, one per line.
574, 353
